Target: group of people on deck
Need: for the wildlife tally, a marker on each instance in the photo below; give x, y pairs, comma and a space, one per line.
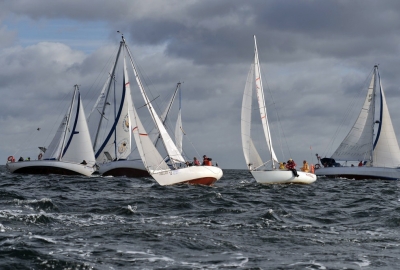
196, 162
291, 165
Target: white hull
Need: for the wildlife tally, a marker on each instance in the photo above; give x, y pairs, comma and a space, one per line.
283, 177
197, 175
359, 173
49, 167
129, 168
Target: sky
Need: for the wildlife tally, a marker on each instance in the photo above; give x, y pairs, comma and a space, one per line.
316, 57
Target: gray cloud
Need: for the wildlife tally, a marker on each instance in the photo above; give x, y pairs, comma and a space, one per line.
316, 56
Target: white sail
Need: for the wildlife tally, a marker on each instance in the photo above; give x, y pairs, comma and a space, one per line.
54, 149
109, 135
358, 143
253, 159
72, 140
78, 147
178, 127
173, 152
386, 150
261, 102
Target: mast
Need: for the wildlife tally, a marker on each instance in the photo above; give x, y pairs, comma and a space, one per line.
108, 91
261, 103
373, 112
68, 116
166, 112
173, 153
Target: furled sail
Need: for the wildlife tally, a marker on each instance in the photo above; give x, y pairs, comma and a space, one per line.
261, 102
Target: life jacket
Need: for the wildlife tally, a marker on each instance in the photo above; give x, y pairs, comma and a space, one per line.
207, 162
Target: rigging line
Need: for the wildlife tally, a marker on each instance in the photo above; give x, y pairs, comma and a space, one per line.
347, 114
97, 83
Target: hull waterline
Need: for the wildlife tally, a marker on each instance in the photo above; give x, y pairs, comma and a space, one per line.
49, 167
360, 173
128, 168
283, 177
195, 175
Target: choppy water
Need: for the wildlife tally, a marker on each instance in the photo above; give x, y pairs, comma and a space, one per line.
60, 222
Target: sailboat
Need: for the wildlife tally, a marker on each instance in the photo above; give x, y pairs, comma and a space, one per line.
109, 127
375, 147
172, 168
69, 153
258, 168
115, 154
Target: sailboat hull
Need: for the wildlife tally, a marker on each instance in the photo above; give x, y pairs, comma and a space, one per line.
195, 175
129, 168
360, 173
283, 177
49, 167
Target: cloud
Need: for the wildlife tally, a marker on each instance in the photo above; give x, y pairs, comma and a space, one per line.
315, 56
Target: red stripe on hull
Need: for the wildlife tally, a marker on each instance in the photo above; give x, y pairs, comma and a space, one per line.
206, 181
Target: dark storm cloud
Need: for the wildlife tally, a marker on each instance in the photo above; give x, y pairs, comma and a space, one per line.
315, 56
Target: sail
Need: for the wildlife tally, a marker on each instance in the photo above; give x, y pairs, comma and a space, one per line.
358, 143
54, 149
173, 152
261, 102
112, 145
386, 148
253, 159
178, 127
149, 154
78, 147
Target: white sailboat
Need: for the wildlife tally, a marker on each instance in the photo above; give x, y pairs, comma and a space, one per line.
257, 167
115, 151
109, 123
70, 146
377, 147
172, 168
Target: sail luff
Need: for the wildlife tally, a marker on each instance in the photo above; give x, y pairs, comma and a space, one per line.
261, 103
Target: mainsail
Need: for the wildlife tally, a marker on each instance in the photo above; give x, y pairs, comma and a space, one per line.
72, 140
253, 159
261, 102
116, 142
359, 145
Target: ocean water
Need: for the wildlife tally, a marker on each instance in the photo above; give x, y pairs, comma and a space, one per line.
69, 222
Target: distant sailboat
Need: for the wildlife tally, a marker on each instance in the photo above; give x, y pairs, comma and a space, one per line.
115, 152
380, 155
252, 157
70, 152
172, 168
